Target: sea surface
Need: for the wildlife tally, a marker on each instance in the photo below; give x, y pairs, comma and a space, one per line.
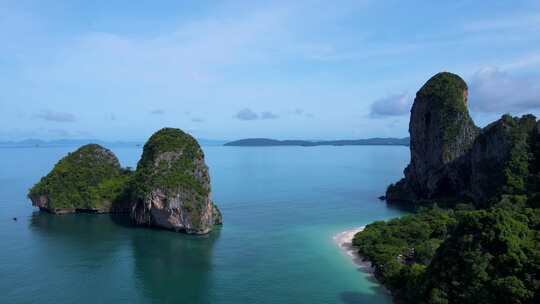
281, 207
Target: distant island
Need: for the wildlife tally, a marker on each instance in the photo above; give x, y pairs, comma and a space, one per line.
264, 142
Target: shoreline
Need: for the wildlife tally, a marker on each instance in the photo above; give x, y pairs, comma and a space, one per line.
344, 241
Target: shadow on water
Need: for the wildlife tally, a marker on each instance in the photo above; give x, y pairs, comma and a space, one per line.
91, 227
173, 267
76, 243
167, 267
122, 220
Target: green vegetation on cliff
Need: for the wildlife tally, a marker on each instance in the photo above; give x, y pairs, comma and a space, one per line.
436, 256
89, 178
447, 94
168, 161
400, 249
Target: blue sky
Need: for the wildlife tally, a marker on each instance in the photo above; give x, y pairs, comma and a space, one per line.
120, 70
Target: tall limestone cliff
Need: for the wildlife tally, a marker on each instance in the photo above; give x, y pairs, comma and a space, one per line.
451, 158
172, 185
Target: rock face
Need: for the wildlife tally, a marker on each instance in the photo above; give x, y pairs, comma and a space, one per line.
172, 185
451, 158
87, 180
443, 132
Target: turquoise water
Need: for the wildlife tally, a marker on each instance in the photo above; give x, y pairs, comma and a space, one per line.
281, 207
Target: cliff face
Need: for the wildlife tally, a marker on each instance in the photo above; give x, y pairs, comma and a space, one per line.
442, 132
89, 179
451, 158
172, 185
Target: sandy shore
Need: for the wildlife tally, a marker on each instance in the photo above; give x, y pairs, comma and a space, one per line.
344, 241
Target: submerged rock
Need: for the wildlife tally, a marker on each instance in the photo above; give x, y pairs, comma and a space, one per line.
87, 180
172, 185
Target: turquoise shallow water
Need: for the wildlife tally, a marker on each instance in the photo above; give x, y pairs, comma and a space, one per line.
281, 207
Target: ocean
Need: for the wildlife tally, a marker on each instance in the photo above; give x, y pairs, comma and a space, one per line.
281, 207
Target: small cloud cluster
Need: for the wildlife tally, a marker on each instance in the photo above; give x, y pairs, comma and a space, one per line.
393, 105
492, 90
56, 116
301, 112
248, 114
268, 115
157, 112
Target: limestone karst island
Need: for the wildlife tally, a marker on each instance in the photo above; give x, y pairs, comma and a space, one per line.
269, 152
169, 189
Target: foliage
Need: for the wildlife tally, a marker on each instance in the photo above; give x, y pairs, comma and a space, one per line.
444, 256
516, 170
89, 178
492, 256
158, 169
400, 248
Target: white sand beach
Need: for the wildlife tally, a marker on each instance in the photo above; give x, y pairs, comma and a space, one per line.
344, 241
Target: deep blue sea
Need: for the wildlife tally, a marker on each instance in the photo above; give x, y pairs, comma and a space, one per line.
281, 207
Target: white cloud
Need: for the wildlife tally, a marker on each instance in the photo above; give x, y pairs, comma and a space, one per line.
268, 115
56, 116
246, 114
492, 90
394, 105
520, 21
157, 112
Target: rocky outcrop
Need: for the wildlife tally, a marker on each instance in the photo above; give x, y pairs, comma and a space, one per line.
451, 158
496, 167
170, 188
172, 185
89, 179
442, 132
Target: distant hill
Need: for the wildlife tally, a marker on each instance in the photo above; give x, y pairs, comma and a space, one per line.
264, 142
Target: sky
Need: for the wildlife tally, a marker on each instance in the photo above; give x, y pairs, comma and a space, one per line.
121, 70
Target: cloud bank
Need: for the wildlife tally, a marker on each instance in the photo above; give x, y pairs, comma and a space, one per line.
56, 116
249, 114
492, 90
393, 105
246, 114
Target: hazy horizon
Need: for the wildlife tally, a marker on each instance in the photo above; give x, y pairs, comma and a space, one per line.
119, 140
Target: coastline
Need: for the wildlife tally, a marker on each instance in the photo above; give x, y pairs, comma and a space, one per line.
344, 241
